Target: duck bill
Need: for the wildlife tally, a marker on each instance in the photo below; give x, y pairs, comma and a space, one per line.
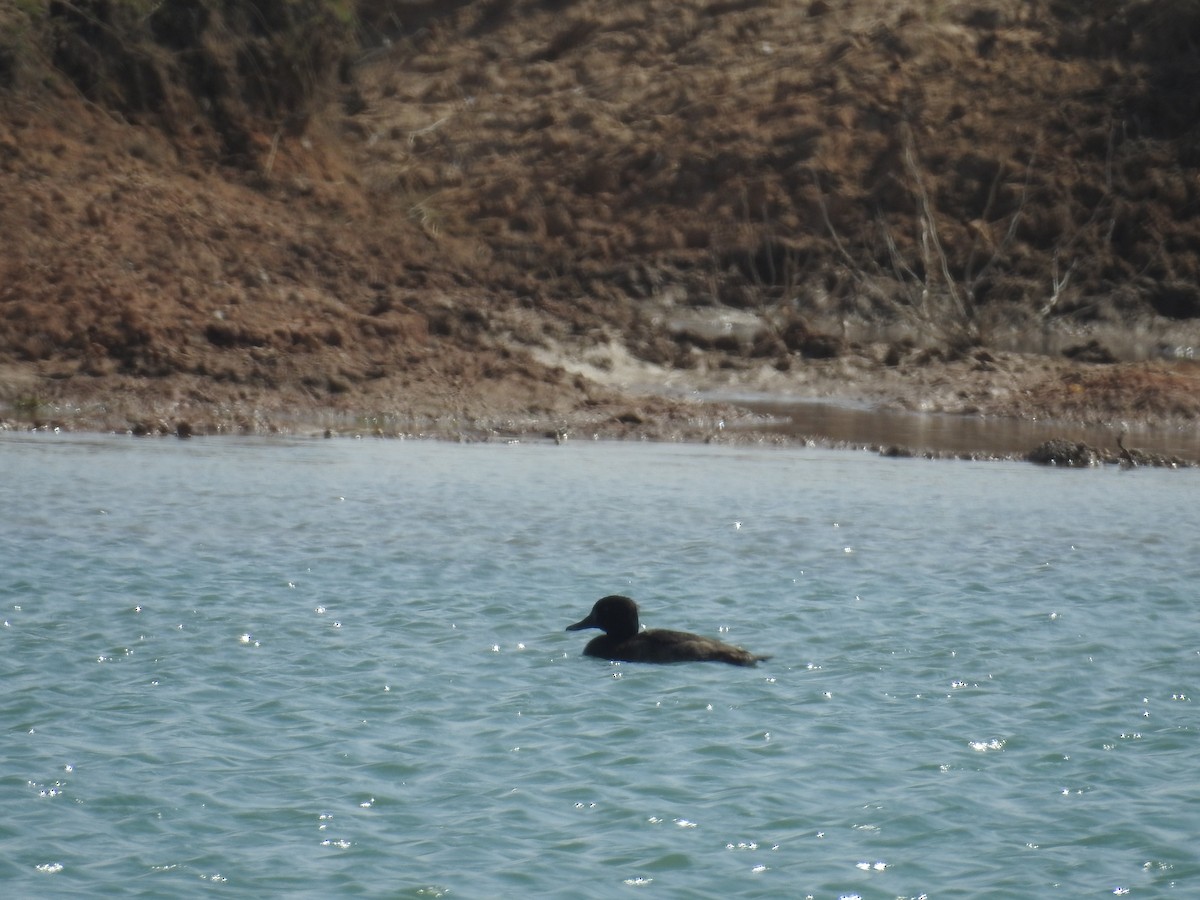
582, 624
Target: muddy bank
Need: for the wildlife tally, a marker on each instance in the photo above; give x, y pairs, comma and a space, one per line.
950, 410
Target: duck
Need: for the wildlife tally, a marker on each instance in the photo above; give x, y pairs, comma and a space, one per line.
617, 617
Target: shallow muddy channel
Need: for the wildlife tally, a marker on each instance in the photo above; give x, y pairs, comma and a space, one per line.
940, 433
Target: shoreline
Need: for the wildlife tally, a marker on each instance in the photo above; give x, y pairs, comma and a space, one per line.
998, 409
752, 434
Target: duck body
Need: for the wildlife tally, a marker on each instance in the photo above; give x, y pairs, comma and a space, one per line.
617, 616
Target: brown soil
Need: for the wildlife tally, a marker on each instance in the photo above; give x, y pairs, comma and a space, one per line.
533, 216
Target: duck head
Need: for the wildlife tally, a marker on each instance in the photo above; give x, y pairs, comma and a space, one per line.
615, 615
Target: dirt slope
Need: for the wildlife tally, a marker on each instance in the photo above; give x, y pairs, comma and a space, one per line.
511, 214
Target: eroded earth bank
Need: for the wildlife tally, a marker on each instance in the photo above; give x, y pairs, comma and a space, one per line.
537, 217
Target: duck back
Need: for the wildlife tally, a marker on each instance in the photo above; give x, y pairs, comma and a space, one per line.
659, 645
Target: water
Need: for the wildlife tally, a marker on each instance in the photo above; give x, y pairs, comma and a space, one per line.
338, 668
964, 435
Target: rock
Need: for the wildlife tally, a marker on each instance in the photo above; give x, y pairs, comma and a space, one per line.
1060, 452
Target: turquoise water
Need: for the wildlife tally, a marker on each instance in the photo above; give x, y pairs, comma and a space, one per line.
338, 668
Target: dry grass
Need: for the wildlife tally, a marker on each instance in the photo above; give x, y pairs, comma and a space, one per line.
1156, 393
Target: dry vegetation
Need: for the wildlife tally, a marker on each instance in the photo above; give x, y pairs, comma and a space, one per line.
503, 214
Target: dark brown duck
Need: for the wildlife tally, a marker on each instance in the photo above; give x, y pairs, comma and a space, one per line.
617, 617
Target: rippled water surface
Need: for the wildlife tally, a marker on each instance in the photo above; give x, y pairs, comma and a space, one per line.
338, 668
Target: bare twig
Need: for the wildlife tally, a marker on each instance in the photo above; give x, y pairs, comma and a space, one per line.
930, 239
